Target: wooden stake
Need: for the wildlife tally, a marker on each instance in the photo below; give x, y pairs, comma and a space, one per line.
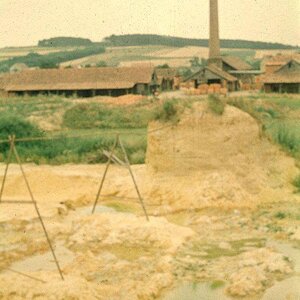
11, 143
105, 172
133, 178
14, 151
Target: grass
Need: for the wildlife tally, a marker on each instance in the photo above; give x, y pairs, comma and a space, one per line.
279, 117
95, 115
100, 122
167, 112
280, 215
296, 183
216, 105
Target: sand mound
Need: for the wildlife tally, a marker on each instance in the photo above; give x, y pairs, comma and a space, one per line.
206, 158
129, 230
255, 269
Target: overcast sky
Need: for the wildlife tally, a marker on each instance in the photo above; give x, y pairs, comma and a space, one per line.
24, 22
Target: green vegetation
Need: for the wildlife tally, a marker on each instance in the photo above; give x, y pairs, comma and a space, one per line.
152, 39
94, 115
97, 124
280, 215
51, 60
286, 138
296, 183
278, 116
64, 42
167, 112
216, 105
15, 125
61, 118
217, 284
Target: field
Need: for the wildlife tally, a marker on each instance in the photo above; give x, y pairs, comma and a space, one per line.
220, 185
132, 55
7, 53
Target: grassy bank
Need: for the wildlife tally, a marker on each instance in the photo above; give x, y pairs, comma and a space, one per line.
278, 115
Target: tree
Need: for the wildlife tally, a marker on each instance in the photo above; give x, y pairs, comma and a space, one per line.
195, 62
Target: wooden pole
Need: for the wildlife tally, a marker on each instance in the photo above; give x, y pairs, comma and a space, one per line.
11, 143
35, 205
105, 173
133, 178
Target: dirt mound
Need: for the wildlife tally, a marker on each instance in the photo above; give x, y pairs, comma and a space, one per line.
129, 230
255, 269
207, 158
124, 100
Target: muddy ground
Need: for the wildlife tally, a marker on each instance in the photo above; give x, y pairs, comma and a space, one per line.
117, 254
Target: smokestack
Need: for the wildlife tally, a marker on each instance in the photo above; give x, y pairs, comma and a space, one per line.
214, 40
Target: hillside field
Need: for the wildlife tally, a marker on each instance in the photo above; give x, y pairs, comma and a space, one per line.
132, 55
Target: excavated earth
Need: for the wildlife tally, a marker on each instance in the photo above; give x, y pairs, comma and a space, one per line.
224, 219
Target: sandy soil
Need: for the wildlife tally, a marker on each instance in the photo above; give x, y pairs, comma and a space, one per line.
228, 217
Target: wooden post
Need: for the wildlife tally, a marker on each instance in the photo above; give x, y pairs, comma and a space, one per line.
133, 178
14, 151
105, 173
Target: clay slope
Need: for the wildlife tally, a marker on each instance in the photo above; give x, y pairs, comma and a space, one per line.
207, 159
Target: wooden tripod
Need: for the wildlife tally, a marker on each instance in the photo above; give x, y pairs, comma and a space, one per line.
127, 165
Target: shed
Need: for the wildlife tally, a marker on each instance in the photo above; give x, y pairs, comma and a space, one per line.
211, 75
284, 80
166, 78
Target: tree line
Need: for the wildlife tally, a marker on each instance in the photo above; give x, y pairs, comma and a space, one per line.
51, 60
153, 39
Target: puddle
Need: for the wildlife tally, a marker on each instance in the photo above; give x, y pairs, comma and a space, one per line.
44, 262
200, 291
287, 250
287, 289
87, 210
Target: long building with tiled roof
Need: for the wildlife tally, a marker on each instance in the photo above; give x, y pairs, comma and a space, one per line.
84, 82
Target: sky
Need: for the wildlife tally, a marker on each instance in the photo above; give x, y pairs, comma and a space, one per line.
25, 22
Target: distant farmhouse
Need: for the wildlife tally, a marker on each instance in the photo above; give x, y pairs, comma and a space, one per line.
286, 79
167, 78
87, 82
212, 75
270, 63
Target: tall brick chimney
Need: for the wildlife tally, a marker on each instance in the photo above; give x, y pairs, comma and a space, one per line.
214, 40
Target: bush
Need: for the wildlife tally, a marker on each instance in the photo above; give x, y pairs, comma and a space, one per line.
296, 183
18, 126
216, 105
167, 112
